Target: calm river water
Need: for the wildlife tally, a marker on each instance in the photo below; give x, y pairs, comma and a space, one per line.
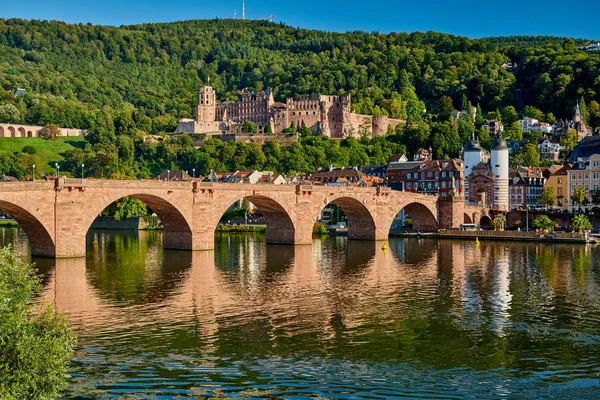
340, 319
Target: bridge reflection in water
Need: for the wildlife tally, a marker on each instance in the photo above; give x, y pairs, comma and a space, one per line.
427, 304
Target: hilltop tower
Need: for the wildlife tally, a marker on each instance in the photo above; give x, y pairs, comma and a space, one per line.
206, 104
499, 164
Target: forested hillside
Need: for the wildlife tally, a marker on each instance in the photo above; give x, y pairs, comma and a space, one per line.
124, 82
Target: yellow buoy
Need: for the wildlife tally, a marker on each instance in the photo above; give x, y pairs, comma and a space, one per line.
476, 241
384, 247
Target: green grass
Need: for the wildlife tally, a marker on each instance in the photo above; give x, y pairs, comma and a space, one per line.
8, 223
48, 150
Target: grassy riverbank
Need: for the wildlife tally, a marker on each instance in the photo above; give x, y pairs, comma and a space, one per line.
8, 223
241, 228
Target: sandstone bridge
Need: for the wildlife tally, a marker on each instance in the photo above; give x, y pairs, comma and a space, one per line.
56, 215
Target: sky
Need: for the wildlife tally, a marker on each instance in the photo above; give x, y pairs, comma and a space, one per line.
577, 19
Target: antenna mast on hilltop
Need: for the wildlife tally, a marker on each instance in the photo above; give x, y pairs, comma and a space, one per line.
271, 18
243, 9
234, 14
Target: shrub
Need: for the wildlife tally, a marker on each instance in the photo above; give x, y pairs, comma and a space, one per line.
36, 341
29, 150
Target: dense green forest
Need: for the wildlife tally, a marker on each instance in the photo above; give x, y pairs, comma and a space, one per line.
122, 83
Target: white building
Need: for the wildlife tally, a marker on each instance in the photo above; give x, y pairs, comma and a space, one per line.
527, 123
500, 166
548, 150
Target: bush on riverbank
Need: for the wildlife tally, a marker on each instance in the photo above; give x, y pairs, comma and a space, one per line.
319, 229
36, 341
241, 228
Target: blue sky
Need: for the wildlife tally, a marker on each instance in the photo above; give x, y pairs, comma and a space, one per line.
467, 18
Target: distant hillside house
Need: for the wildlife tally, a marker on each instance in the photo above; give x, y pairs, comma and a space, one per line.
329, 116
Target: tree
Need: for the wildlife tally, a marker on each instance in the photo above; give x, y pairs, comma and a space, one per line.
499, 222
530, 155
126, 207
580, 222
579, 197
595, 197
544, 223
514, 131
547, 198
249, 127
37, 343
268, 129
445, 108
509, 115
50, 132
9, 113
569, 139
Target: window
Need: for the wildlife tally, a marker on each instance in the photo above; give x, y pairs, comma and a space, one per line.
573, 176
560, 191
573, 188
443, 174
429, 174
587, 176
409, 185
443, 185
559, 180
580, 176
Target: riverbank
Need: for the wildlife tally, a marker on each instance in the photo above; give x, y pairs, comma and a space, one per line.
241, 228
557, 237
8, 223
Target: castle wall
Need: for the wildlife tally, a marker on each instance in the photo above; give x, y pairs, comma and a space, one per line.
18, 130
329, 116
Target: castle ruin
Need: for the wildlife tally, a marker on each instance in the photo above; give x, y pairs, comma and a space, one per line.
329, 116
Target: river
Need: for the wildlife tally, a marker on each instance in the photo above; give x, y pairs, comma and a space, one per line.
341, 319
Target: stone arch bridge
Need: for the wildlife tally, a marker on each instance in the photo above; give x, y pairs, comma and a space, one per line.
56, 215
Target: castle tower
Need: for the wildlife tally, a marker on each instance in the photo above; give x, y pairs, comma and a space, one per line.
206, 104
472, 156
499, 165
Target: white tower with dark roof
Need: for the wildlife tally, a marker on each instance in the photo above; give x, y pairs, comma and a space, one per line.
500, 165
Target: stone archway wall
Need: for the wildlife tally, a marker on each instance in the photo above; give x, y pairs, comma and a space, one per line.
280, 228
38, 232
467, 219
178, 231
11, 131
361, 225
21, 132
1, 131
485, 222
422, 217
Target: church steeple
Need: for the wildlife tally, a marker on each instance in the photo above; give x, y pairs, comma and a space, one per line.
577, 117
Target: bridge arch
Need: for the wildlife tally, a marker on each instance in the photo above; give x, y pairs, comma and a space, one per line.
422, 217
11, 131
280, 227
361, 225
485, 222
178, 228
467, 219
39, 235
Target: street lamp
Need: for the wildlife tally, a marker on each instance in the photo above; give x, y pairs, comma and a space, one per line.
193, 173
168, 175
33, 171
82, 165
57, 169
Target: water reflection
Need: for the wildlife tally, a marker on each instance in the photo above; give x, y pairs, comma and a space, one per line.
425, 318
